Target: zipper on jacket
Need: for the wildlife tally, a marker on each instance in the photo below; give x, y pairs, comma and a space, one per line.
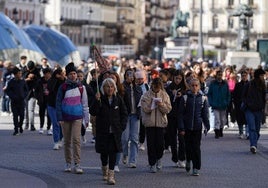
193, 112
155, 117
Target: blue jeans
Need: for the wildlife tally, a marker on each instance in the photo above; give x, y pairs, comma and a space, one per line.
31, 109
254, 120
57, 132
131, 133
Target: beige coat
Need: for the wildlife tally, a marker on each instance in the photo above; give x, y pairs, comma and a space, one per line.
155, 117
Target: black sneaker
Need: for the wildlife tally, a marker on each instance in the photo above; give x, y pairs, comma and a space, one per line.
21, 130
32, 128
253, 149
16, 133
188, 166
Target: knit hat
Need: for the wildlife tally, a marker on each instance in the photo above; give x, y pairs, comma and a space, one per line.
258, 72
70, 68
30, 65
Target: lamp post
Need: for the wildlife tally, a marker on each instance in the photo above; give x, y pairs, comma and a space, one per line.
90, 11
156, 48
200, 33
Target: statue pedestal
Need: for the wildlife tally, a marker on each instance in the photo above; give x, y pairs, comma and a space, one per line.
239, 58
178, 41
176, 47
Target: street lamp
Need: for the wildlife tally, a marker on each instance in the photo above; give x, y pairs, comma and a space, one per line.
90, 11
200, 33
156, 48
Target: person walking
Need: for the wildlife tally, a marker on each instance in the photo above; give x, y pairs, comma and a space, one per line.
57, 78
32, 79
42, 101
176, 90
155, 105
237, 96
194, 116
140, 81
131, 134
253, 100
17, 91
111, 118
219, 98
72, 108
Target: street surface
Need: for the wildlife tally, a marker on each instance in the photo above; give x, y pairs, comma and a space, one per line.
28, 161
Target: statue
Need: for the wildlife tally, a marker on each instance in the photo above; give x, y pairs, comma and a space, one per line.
179, 20
243, 11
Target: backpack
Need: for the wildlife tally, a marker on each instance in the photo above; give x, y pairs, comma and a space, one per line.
64, 88
203, 100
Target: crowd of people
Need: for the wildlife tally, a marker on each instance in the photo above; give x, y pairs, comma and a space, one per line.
167, 105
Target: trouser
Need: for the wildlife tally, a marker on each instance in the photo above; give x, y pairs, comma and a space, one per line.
57, 131
131, 133
254, 124
192, 146
83, 130
42, 114
220, 118
93, 124
109, 157
31, 108
177, 149
155, 144
18, 114
142, 133
72, 135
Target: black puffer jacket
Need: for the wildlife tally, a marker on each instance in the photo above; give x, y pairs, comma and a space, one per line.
195, 112
109, 119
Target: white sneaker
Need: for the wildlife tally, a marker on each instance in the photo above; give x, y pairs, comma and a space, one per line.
68, 167
116, 168
60, 143
181, 164
142, 147
49, 132
56, 146
41, 131
84, 140
78, 169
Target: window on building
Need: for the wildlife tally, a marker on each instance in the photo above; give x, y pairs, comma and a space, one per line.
230, 2
230, 23
251, 2
215, 22
250, 23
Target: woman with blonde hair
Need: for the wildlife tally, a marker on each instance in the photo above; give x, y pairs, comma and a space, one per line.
111, 117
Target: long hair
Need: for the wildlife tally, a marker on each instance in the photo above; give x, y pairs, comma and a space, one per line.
108, 81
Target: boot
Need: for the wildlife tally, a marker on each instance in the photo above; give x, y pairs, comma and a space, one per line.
111, 180
217, 133
105, 172
221, 132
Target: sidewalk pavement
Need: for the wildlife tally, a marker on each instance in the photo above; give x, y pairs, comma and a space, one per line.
12, 178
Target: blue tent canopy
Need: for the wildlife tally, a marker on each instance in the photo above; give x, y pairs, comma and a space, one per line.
12, 37
55, 45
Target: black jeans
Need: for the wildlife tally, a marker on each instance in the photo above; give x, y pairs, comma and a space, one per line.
155, 144
178, 151
192, 146
18, 114
42, 114
142, 133
109, 157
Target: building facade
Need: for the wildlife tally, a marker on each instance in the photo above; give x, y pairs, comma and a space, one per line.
144, 24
